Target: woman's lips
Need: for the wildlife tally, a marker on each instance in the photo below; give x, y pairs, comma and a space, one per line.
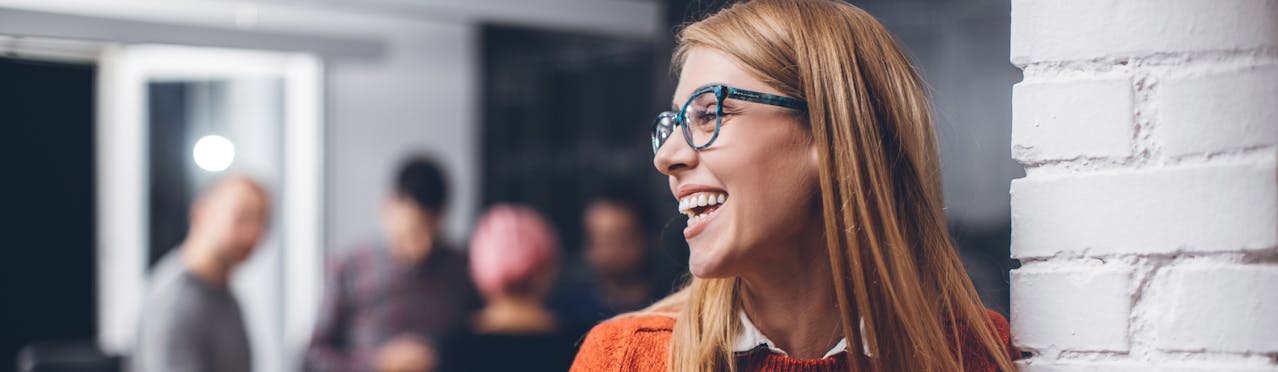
698, 223
701, 204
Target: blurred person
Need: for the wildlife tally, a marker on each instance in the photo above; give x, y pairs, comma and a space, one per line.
625, 271
191, 322
387, 305
803, 152
514, 259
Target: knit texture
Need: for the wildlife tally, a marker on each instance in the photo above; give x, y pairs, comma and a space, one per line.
642, 343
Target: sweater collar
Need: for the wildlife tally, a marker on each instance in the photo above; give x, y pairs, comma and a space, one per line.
751, 338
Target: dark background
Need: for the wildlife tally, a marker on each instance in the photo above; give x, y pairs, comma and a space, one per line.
169, 198
47, 263
562, 119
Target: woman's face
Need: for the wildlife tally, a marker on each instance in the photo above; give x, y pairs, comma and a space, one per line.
762, 165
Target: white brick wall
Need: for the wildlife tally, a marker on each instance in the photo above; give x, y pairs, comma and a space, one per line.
1161, 210
1054, 30
1195, 292
1213, 366
1147, 223
1082, 295
1238, 105
1053, 128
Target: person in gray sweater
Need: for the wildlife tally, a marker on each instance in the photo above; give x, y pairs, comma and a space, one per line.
191, 322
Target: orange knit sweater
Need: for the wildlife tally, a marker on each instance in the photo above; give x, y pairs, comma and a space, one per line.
642, 343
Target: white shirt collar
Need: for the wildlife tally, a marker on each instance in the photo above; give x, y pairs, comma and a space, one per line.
751, 338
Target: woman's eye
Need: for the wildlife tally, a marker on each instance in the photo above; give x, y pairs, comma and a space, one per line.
703, 119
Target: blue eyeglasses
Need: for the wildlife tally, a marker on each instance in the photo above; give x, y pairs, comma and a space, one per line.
702, 116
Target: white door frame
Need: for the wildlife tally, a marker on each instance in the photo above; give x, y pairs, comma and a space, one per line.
122, 171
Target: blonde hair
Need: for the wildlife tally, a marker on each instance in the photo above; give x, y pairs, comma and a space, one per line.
892, 260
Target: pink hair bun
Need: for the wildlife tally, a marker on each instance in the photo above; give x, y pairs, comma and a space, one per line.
511, 245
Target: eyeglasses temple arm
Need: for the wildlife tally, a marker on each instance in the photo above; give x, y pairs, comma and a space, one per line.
767, 99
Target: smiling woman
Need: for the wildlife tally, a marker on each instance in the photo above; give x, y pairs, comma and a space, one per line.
808, 169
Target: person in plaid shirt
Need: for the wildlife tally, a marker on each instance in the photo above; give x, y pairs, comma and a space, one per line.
387, 304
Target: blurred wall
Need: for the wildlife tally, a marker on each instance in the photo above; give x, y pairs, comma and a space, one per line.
400, 76
961, 48
419, 98
417, 93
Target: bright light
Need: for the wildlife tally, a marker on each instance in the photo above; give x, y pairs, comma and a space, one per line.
214, 153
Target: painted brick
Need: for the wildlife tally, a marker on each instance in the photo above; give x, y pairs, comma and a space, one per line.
1052, 30
1071, 119
1218, 307
1219, 112
1220, 366
1139, 366
1072, 308
1197, 208
1075, 366
1203, 191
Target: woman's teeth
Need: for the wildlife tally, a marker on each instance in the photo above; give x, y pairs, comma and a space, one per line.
700, 200
691, 205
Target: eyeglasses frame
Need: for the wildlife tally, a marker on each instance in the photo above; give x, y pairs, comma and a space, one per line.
721, 93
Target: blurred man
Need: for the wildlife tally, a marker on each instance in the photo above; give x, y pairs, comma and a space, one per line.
191, 322
626, 273
386, 305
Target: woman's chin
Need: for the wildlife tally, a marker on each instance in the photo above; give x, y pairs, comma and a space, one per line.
703, 266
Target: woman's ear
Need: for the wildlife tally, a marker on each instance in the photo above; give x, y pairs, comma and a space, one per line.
814, 154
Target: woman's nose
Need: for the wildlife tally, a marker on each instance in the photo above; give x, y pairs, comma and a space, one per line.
675, 154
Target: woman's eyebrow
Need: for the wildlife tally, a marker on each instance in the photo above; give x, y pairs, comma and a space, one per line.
674, 105
710, 84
